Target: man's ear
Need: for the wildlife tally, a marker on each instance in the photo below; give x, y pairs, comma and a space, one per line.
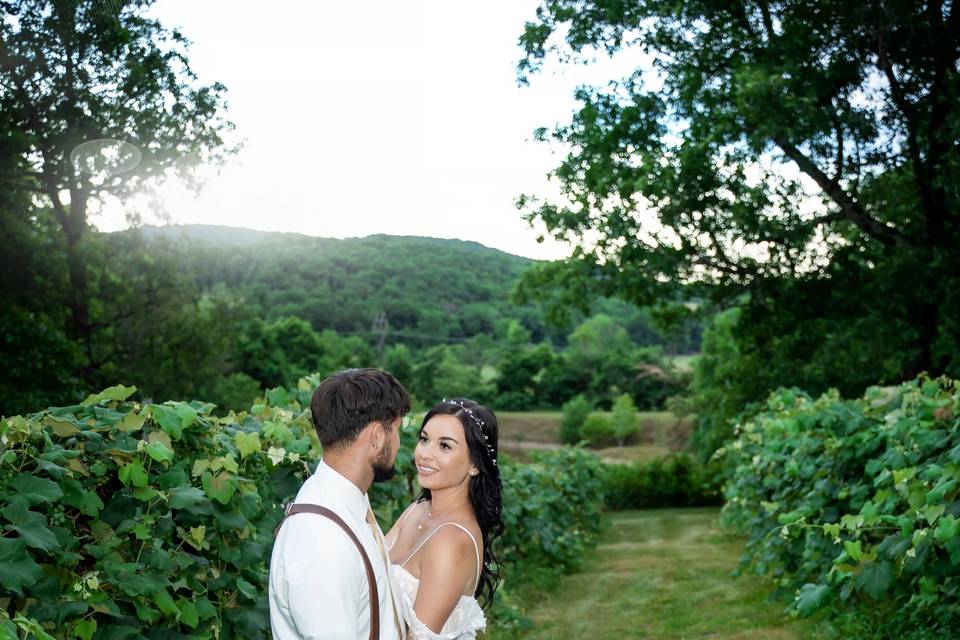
375, 435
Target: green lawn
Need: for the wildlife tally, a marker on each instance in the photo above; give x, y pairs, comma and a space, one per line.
662, 574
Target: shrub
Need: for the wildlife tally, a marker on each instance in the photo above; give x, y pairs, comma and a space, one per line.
145, 520
551, 509
135, 520
598, 430
575, 412
852, 505
624, 418
673, 481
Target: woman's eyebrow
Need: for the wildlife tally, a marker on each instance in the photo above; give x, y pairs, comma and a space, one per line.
449, 438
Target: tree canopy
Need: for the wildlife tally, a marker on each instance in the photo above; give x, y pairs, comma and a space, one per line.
803, 152
97, 100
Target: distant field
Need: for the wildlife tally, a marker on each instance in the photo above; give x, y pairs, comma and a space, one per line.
633, 453
529, 426
524, 431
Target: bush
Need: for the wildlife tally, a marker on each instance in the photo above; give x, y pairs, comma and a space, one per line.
674, 481
598, 430
624, 418
575, 412
145, 520
852, 505
126, 520
551, 509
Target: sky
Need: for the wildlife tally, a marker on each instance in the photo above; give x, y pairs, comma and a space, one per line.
376, 117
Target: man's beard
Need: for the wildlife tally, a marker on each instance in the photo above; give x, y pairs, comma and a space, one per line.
383, 468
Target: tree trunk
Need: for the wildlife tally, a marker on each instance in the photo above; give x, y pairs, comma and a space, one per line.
73, 221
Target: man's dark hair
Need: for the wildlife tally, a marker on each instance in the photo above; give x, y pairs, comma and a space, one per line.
348, 401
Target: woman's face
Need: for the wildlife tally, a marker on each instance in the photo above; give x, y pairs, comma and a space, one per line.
442, 456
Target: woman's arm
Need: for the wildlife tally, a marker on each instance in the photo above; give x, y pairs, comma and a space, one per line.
447, 568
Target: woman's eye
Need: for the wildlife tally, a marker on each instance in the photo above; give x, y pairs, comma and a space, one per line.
422, 439
445, 446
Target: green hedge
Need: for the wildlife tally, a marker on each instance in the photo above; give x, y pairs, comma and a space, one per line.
673, 481
852, 505
128, 520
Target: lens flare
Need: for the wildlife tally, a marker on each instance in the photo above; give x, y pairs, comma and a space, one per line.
105, 157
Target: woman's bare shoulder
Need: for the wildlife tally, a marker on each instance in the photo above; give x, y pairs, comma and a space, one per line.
455, 536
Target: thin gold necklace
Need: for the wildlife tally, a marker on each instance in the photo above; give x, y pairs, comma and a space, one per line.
430, 513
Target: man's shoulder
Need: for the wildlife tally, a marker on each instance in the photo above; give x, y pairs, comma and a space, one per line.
308, 539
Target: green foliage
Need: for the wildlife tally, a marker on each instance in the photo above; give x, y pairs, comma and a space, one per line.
575, 413
80, 72
278, 353
551, 510
717, 394
851, 505
674, 481
626, 423
687, 148
521, 370
431, 290
123, 518
598, 430
690, 180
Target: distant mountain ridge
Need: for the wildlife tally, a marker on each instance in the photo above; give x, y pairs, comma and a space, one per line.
439, 289
242, 236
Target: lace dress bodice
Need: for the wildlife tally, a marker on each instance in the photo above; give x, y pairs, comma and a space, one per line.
467, 617
463, 624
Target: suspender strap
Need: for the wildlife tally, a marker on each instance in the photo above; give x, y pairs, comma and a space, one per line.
294, 509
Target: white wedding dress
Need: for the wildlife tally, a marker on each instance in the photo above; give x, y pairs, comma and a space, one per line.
465, 620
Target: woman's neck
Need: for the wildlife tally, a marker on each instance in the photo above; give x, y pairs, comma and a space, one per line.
449, 498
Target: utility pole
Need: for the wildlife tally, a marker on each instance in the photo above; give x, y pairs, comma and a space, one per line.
380, 325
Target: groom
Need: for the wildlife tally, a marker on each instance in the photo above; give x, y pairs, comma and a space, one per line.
325, 574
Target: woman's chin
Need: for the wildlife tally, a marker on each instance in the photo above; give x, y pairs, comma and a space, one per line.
430, 481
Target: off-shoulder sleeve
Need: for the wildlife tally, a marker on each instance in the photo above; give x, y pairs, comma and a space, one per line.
462, 629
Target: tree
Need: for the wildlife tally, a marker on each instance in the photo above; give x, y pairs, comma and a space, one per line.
598, 430
398, 360
768, 143
575, 412
278, 353
520, 373
602, 348
100, 104
624, 417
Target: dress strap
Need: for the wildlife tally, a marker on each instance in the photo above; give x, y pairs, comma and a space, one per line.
399, 526
476, 548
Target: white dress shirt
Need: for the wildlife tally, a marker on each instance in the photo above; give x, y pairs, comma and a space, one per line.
318, 584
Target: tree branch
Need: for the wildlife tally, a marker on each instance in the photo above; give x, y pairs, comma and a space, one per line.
838, 161
767, 20
849, 207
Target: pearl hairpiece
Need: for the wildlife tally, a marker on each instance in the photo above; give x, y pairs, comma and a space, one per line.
478, 422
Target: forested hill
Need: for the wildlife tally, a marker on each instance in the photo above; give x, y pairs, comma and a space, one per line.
430, 289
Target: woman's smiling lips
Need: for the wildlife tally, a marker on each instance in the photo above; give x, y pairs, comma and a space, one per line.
425, 470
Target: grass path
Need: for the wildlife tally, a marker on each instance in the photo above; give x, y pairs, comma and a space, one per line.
663, 574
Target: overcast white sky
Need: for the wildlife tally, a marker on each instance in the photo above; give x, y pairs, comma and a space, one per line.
376, 117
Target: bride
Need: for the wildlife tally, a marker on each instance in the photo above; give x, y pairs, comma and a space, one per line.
443, 565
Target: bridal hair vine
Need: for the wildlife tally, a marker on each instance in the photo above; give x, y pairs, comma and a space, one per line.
476, 419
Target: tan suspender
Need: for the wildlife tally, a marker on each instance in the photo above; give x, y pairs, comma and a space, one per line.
294, 509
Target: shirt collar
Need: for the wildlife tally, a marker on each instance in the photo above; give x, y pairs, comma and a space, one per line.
343, 491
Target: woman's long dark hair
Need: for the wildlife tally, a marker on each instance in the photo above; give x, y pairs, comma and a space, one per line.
485, 487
